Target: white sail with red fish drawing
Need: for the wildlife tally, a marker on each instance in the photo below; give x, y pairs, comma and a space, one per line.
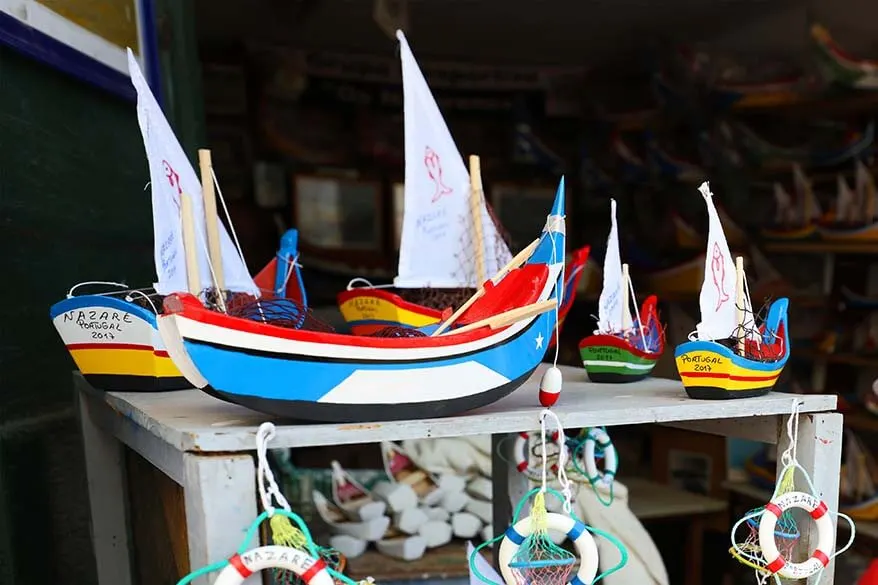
171, 174
719, 318
438, 248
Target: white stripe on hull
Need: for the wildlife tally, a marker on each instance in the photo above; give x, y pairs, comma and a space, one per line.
167, 326
198, 331
415, 385
599, 363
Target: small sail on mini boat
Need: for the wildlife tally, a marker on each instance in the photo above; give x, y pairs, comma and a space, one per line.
794, 219
498, 340
113, 336
728, 356
859, 223
840, 67
622, 349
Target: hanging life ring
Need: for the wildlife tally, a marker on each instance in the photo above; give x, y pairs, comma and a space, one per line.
825, 535
521, 454
312, 572
598, 436
575, 531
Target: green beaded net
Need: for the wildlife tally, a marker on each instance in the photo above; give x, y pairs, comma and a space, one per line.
539, 561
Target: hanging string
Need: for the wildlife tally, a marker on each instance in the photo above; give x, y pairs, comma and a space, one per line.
89, 282
563, 480
367, 283
557, 221
264, 474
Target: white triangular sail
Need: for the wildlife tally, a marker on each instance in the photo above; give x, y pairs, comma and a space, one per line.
717, 299
784, 213
808, 204
866, 193
171, 174
610, 304
438, 247
845, 202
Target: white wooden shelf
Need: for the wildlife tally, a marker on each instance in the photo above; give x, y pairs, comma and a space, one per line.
190, 420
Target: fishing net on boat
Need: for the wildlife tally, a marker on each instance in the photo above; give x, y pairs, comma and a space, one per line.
750, 335
281, 312
539, 561
397, 331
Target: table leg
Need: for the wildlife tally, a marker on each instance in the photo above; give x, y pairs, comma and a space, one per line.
107, 487
220, 496
819, 453
694, 551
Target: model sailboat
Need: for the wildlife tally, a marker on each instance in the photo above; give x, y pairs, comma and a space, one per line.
729, 355
795, 219
856, 217
450, 242
113, 336
622, 349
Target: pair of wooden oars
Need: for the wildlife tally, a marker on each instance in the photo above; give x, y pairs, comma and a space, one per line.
500, 319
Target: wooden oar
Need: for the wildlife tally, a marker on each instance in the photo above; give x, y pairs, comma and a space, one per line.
508, 317
519, 259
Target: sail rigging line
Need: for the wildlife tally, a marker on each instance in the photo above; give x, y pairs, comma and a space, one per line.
367, 282
222, 199
637, 312
559, 289
134, 292
104, 282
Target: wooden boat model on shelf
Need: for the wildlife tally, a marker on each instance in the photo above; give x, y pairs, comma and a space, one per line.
840, 67
113, 336
821, 151
352, 498
489, 347
729, 355
441, 268
622, 349
371, 530
856, 211
794, 219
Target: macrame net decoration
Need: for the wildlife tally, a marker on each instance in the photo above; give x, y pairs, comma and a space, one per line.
398, 331
786, 535
283, 533
755, 347
539, 561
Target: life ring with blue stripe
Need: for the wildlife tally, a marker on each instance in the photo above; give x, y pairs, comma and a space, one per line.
311, 571
575, 530
599, 437
775, 563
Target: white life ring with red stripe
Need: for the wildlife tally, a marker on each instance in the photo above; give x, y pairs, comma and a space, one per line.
599, 437
311, 571
521, 453
825, 535
575, 530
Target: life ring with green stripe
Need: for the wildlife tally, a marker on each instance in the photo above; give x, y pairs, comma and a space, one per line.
311, 571
599, 437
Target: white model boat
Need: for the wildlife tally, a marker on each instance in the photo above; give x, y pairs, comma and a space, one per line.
402, 470
352, 498
369, 530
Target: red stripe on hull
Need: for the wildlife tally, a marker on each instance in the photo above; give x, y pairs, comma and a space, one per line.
730, 377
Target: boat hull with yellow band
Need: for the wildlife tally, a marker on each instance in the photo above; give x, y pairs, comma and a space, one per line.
368, 310
866, 233
710, 370
116, 344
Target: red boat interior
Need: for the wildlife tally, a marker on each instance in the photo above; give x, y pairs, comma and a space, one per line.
520, 287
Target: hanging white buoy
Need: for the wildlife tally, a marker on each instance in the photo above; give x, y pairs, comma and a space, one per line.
550, 386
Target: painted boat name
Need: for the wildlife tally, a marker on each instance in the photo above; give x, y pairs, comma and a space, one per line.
102, 324
700, 363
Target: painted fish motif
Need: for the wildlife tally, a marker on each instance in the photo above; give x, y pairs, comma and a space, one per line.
434, 171
718, 270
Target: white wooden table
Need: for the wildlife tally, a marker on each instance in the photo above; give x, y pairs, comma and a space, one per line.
206, 446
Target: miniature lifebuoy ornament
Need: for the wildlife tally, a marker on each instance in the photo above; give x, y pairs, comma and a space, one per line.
599, 437
520, 452
825, 535
575, 531
311, 571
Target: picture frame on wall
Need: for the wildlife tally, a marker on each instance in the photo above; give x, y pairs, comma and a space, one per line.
338, 213
88, 40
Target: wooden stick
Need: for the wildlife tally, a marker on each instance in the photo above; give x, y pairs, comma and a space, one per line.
626, 308
508, 317
190, 245
211, 222
476, 193
739, 301
519, 259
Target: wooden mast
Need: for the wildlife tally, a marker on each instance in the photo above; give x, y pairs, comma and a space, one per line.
740, 308
190, 245
475, 204
626, 302
211, 222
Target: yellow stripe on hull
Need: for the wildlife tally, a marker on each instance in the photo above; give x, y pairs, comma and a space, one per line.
124, 362
370, 308
706, 368
866, 234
